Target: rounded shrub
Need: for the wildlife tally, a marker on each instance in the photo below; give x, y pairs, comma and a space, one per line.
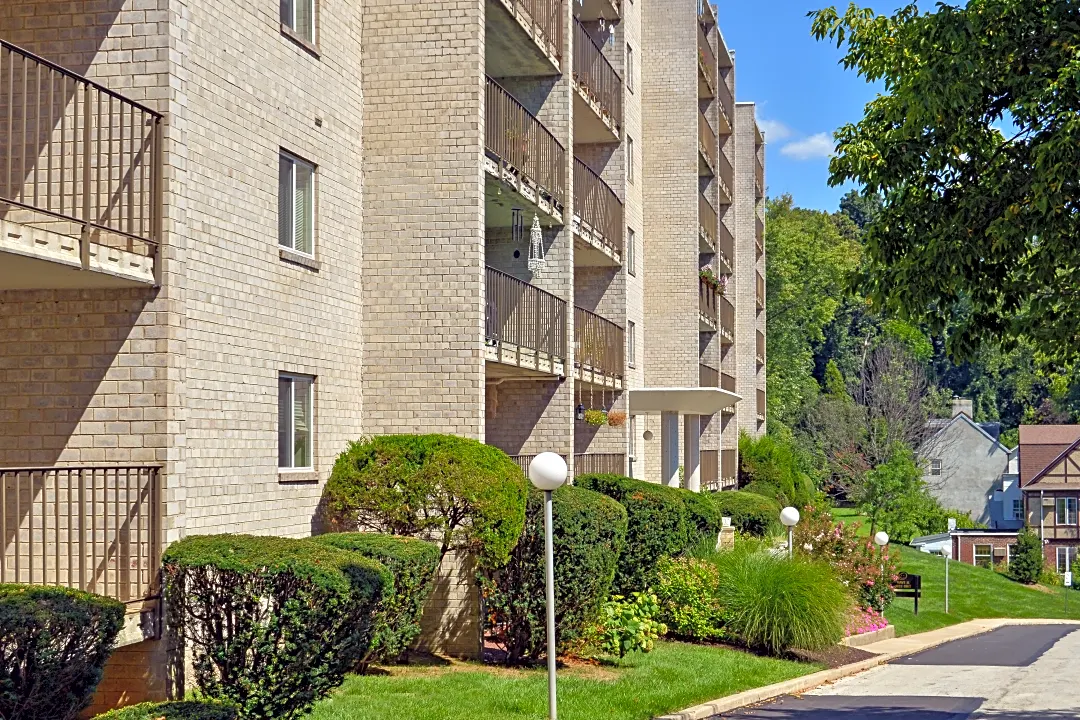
702, 514
588, 534
750, 514
412, 565
777, 605
1027, 562
657, 526
456, 490
182, 710
272, 624
54, 643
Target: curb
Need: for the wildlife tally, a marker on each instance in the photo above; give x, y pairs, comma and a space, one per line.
857, 641
708, 710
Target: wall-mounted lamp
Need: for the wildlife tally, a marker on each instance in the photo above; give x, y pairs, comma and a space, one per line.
580, 411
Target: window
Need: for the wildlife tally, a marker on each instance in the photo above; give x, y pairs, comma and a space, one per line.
1066, 559
629, 159
631, 240
633, 437
935, 467
296, 203
1065, 511
631, 343
1010, 551
299, 17
629, 68
295, 415
984, 555
1018, 509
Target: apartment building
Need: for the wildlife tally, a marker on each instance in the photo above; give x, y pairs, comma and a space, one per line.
235, 234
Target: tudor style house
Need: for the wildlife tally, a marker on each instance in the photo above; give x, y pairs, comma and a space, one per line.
1050, 483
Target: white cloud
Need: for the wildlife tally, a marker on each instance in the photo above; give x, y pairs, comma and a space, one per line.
774, 130
811, 148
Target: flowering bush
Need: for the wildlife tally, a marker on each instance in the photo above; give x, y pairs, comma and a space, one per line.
868, 572
865, 620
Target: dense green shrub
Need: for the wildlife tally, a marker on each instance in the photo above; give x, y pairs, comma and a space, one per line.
1027, 562
775, 461
776, 605
272, 624
412, 565
460, 491
687, 589
54, 643
183, 710
588, 532
657, 527
702, 514
750, 514
631, 625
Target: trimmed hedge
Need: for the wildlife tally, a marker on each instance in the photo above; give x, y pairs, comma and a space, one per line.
750, 513
703, 515
54, 643
464, 492
412, 565
272, 624
185, 710
588, 533
658, 525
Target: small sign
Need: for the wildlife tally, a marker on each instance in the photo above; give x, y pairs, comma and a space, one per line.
952, 524
725, 522
1068, 579
909, 586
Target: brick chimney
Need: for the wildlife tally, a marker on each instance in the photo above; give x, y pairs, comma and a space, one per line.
961, 405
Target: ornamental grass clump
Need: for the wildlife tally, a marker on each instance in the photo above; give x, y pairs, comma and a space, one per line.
271, 624
54, 643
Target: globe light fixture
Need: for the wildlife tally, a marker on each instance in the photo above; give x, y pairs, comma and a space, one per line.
881, 538
789, 516
547, 472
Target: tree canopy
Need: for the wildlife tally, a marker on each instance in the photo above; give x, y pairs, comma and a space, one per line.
973, 145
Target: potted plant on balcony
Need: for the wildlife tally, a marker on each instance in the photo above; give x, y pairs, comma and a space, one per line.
596, 417
708, 277
616, 418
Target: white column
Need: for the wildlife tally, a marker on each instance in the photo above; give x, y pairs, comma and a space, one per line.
669, 449
692, 452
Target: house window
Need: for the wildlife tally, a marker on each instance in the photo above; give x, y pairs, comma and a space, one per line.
299, 17
629, 159
1010, 551
295, 416
1065, 511
631, 240
296, 204
629, 68
631, 343
1018, 509
984, 555
1066, 559
935, 467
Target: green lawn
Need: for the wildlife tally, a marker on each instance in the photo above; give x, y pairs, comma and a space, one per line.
672, 677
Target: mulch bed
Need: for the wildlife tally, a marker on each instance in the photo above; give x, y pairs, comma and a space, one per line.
832, 657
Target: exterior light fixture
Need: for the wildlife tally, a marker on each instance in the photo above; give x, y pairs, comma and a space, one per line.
547, 472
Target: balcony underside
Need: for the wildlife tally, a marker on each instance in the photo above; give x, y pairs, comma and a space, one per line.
505, 190
590, 10
515, 47
597, 377
505, 361
35, 258
590, 248
591, 124
705, 243
706, 323
705, 90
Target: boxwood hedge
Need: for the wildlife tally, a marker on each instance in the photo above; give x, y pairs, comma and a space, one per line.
272, 624
412, 565
183, 710
750, 513
588, 532
54, 643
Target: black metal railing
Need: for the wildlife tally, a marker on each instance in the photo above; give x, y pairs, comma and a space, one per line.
600, 464
599, 345
596, 77
598, 206
524, 317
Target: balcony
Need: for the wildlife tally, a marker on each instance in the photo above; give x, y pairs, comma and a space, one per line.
725, 248
600, 464
760, 405
599, 350
727, 321
525, 327
725, 179
706, 67
709, 470
726, 101
524, 38
729, 468
97, 529
707, 148
598, 92
760, 295
759, 236
759, 179
593, 10
707, 227
727, 382
708, 376
523, 156
80, 194
706, 15
598, 220
759, 352
706, 307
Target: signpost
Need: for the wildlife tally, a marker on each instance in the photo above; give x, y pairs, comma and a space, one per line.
909, 586
947, 553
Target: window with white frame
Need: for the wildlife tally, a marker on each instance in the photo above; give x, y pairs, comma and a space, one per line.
629, 68
629, 159
631, 241
1066, 559
296, 414
299, 17
935, 467
296, 204
1010, 552
631, 343
1018, 509
1065, 511
984, 555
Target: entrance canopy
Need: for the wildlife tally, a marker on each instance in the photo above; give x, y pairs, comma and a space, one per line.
685, 401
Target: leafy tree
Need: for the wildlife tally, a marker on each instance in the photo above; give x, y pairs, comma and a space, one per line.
893, 494
772, 466
970, 213
862, 209
834, 381
1027, 562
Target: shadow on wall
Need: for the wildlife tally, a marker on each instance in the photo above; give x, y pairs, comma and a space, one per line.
515, 409
451, 624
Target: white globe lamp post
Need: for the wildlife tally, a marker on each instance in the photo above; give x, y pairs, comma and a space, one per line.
946, 552
789, 516
547, 472
881, 539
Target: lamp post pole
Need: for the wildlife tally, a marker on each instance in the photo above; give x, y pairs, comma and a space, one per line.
547, 472
789, 516
881, 539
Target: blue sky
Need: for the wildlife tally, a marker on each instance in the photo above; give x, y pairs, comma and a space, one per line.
801, 91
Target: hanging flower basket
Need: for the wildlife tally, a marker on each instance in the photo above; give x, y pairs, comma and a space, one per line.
596, 417
616, 418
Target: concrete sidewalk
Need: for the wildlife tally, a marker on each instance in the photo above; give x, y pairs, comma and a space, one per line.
885, 650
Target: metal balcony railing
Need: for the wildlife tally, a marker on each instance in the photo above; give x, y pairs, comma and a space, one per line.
727, 318
727, 382
759, 178
760, 350
729, 467
521, 317
760, 292
707, 142
726, 175
709, 470
707, 300
707, 62
598, 206
600, 464
726, 101
760, 404
520, 143
92, 528
78, 157
708, 376
725, 245
707, 220
545, 17
599, 345
595, 75
759, 235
